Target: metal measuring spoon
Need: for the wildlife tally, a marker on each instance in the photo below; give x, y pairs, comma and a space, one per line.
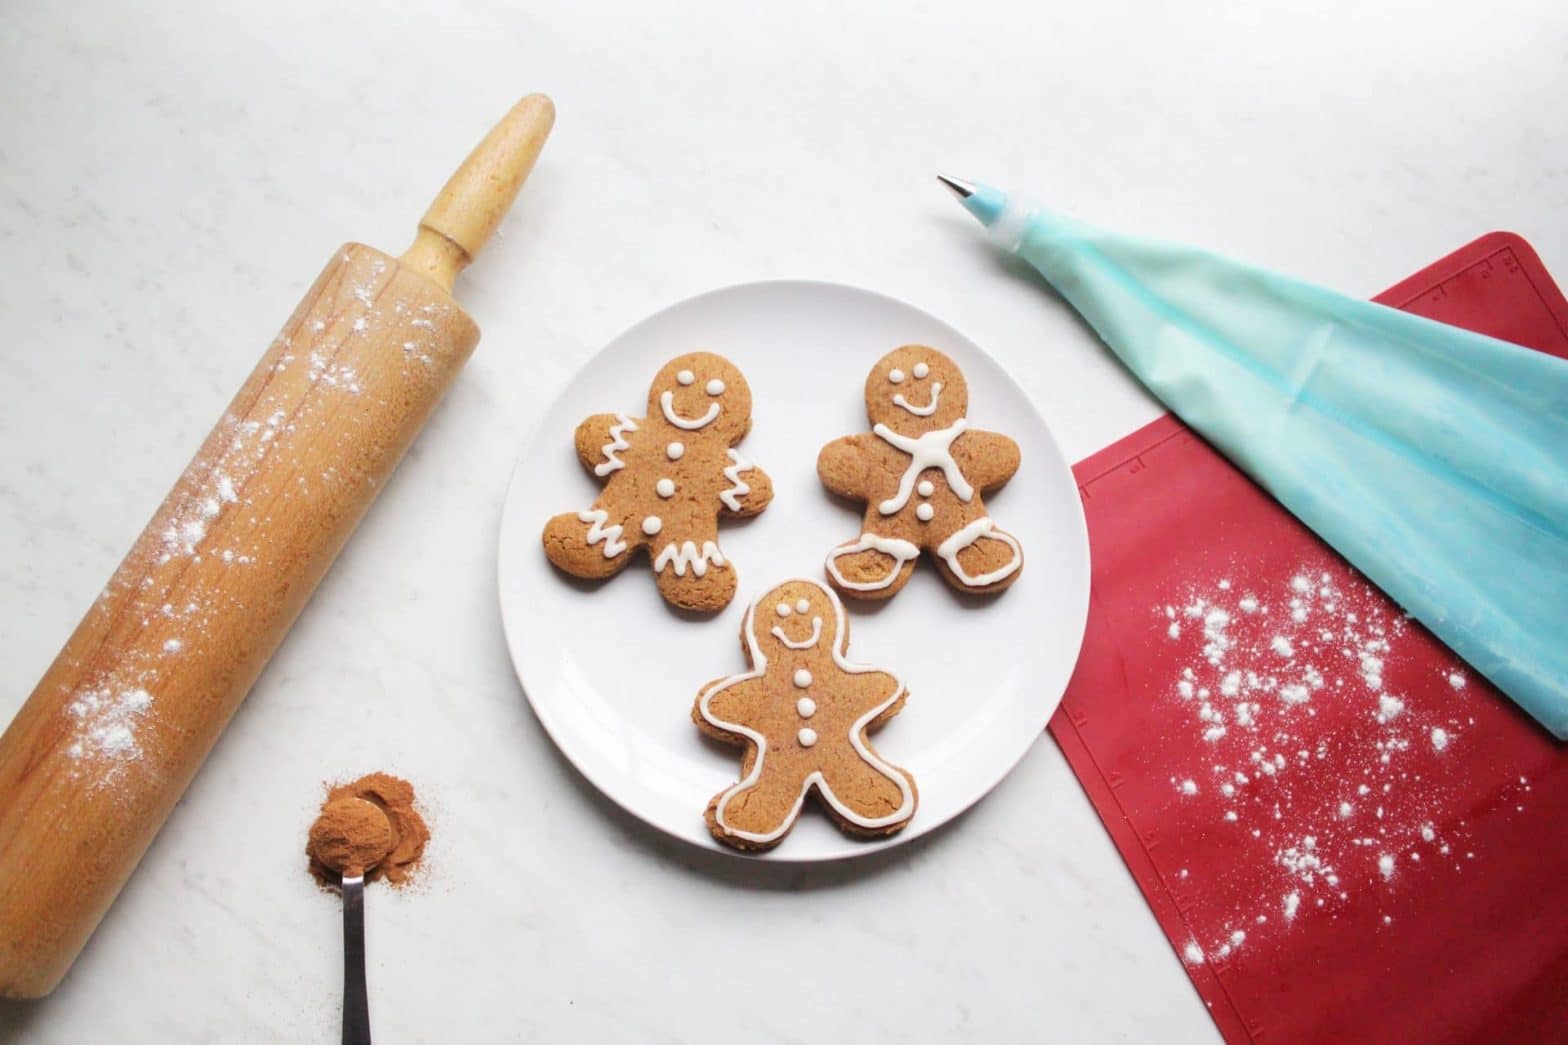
356, 1002
350, 838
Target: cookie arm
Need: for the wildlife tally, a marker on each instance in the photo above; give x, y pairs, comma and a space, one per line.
748, 489
878, 688
724, 707
844, 466
987, 459
601, 442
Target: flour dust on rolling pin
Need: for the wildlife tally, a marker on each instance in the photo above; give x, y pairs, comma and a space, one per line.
273, 469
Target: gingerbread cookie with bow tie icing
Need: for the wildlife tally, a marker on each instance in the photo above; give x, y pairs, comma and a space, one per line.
921, 471
803, 713
669, 477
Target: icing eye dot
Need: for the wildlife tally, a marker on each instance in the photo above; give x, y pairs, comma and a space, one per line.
674, 451
685, 377
921, 370
715, 387
896, 376
782, 609
802, 605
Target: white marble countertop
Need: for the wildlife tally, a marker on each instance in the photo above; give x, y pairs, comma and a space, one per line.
170, 182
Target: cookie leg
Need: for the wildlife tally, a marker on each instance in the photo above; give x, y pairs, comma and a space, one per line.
981, 557
584, 546
756, 815
694, 577
872, 567
868, 799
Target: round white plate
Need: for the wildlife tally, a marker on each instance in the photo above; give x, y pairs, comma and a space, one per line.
612, 673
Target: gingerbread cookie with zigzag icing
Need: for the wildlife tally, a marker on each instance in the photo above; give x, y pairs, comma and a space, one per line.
669, 477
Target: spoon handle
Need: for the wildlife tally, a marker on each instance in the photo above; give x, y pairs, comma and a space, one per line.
356, 1005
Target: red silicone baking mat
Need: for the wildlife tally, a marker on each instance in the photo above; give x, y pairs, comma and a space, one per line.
1346, 834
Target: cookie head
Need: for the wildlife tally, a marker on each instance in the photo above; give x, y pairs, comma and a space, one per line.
916, 389
796, 617
703, 394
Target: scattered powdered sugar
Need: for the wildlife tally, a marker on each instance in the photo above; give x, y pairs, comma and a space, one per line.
1332, 811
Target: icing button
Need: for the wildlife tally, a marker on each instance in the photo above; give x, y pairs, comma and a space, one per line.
652, 525
674, 450
665, 488
807, 736
924, 512
802, 678
806, 706
926, 488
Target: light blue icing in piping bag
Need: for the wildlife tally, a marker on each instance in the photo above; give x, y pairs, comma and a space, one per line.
1434, 459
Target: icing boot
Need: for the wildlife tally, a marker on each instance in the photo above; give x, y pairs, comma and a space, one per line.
694, 576
980, 557
872, 567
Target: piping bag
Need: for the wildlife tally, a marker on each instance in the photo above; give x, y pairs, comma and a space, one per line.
1433, 458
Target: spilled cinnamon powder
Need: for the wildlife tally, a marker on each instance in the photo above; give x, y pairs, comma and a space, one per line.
369, 827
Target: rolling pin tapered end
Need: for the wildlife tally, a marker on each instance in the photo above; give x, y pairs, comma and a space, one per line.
472, 204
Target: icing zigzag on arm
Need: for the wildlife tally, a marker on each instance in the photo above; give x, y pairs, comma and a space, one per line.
597, 531
617, 443
740, 488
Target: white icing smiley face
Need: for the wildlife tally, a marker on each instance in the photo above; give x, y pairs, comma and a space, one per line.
920, 371
694, 392
783, 611
914, 389
715, 388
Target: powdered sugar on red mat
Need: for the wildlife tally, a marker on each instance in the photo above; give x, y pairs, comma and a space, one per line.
1321, 765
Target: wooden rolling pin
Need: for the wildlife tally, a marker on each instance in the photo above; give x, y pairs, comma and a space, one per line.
98, 756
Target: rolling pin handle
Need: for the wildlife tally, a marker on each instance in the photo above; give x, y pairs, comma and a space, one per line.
470, 207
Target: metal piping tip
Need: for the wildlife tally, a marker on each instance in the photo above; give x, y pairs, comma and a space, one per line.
960, 188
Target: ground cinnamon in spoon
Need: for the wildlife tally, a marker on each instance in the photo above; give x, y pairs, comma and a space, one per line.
367, 827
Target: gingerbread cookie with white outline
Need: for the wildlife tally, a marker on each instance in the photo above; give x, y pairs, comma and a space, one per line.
803, 713
669, 477
921, 471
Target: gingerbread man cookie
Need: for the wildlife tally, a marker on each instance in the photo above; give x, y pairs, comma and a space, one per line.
803, 713
669, 477
921, 471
